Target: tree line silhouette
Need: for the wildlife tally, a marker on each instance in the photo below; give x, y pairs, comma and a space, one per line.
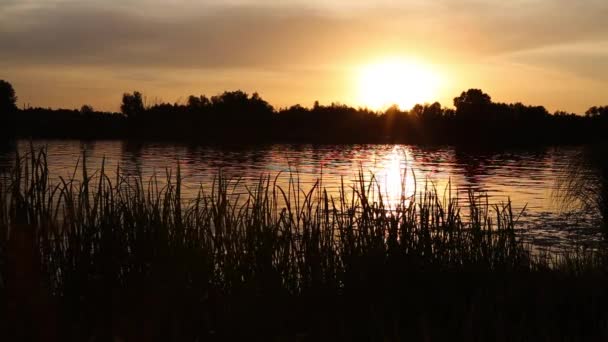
235, 116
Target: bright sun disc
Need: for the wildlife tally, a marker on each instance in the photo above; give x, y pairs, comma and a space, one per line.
396, 82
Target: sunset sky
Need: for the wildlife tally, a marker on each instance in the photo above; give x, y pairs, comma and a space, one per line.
63, 53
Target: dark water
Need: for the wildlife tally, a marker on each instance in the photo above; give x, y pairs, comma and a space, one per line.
526, 177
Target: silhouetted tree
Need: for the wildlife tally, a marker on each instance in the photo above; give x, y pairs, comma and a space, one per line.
86, 110
8, 99
473, 104
236, 115
132, 105
239, 104
561, 113
448, 113
260, 105
427, 112
417, 111
597, 112
198, 102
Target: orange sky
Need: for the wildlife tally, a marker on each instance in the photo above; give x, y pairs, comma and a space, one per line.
63, 53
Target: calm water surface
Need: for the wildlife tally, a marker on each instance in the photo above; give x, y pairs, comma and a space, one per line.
526, 177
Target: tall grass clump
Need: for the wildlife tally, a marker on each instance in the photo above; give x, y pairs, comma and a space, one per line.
105, 256
583, 186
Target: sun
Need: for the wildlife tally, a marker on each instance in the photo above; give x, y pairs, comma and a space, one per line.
396, 82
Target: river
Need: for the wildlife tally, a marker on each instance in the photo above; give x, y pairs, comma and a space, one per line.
525, 176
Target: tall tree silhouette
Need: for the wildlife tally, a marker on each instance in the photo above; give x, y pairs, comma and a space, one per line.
87, 110
597, 112
473, 104
427, 112
239, 104
8, 99
132, 105
198, 102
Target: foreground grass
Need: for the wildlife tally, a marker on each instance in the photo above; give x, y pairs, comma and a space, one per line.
125, 258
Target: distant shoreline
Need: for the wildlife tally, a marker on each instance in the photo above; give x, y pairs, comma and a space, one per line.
237, 117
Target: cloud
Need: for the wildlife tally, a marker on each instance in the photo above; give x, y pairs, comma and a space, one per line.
506, 27
584, 59
227, 38
300, 42
239, 34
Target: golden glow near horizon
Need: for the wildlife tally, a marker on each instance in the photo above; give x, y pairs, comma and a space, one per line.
64, 53
396, 81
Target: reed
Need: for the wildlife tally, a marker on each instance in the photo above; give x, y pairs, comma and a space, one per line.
583, 187
111, 255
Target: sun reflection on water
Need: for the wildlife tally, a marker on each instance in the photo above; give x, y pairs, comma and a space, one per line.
395, 177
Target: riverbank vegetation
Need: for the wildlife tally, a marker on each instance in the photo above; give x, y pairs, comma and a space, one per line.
107, 256
235, 116
584, 185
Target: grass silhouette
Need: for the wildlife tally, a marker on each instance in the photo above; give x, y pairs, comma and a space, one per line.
105, 257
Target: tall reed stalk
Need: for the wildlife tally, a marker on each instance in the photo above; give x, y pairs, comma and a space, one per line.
107, 245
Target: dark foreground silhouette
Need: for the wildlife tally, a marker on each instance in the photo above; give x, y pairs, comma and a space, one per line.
238, 117
103, 258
